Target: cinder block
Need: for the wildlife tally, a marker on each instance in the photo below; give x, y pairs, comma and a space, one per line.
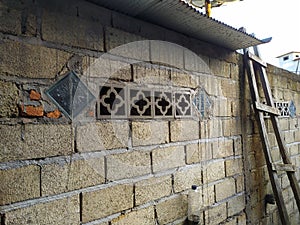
128, 165
10, 20
167, 158
152, 189
234, 166
183, 79
222, 148
167, 53
184, 130
213, 171
172, 209
108, 67
35, 141
19, 184
102, 135
242, 219
66, 176
149, 132
225, 189
151, 74
240, 182
208, 193
31, 61
219, 67
236, 205
143, 216
212, 128
216, 215
60, 211
104, 202
194, 62
73, 31
126, 44
184, 179
9, 98
230, 88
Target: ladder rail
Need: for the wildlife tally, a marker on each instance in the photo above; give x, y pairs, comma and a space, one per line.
263, 133
278, 135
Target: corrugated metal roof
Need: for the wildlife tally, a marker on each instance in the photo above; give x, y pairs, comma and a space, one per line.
179, 16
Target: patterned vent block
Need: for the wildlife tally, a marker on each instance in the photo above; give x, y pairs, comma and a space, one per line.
163, 104
140, 103
286, 109
123, 102
112, 102
182, 104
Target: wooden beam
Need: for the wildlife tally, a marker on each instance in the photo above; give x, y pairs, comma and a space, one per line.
268, 109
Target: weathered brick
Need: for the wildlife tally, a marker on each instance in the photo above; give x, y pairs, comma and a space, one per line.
128, 165
167, 158
19, 184
216, 215
64, 176
72, 31
54, 114
230, 88
107, 66
149, 132
233, 167
167, 53
211, 85
104, 202
211, 128
225, 189
236, 205
222, 148
184, 130
32, 111
240, 183
194, 62
31, 61
219, 67
34, 141
213, 171
208, 193
152, 189
61, 211
34, 95
127, 44
102, 136
184, 179
242, 220
183, 79
151, 74
143, 216
9, 98
171, 209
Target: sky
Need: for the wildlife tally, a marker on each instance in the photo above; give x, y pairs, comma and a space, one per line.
279, 19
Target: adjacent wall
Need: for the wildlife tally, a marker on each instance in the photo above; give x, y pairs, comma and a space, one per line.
131, 166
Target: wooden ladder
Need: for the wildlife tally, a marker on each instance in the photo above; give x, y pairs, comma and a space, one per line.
256, 69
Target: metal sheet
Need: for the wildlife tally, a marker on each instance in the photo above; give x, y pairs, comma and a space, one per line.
179, 16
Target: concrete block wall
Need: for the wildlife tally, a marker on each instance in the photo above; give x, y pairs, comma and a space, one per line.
136, 170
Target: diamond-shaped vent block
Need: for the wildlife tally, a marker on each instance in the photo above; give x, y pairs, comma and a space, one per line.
203, 103
71, 95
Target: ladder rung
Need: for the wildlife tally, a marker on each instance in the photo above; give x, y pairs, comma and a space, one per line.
257, 59
267, 109
283, 167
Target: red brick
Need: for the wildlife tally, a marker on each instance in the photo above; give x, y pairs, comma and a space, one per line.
32, 111
54, 114
34, 95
